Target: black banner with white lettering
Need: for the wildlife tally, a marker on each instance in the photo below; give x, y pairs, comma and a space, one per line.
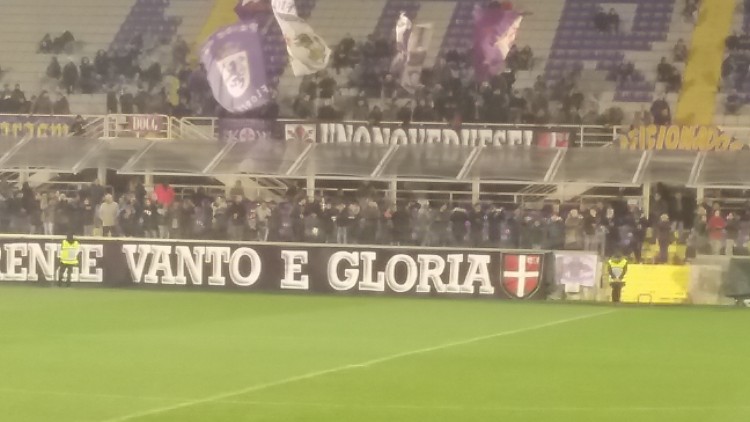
396, 133
285, 267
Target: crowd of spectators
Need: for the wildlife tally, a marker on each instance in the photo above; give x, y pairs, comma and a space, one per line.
149, 75
64, 43
734, 71
449, 92
607, 22
368, 218
14, 101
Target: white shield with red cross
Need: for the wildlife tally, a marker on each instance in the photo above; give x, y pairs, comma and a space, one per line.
522, 274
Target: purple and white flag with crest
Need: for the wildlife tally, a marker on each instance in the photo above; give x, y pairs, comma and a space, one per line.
235, 67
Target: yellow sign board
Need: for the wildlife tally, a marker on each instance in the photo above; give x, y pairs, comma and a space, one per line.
656, 284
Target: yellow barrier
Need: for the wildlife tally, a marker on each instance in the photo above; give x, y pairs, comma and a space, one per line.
656, 284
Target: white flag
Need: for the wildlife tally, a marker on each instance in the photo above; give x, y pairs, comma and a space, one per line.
308, 53
416, 56
403, 26
403, 31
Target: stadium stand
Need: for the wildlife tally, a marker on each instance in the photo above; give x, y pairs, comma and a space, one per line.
615, 48
619, 67
96, 26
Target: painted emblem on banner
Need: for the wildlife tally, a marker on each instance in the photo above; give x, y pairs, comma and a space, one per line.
235, 71
521, 274
300, 133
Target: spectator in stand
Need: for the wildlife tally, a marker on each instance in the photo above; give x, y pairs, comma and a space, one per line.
591, 229
459, 218
423, 112
63, 43
54, 71
512, 60
303, 107
327, 86
659, 206
237, 190
45, 45
390, 87
716, 226
733, 103
668, 74
180, 51
326, 112
42, 105
404, 114
664, 236
47, 204
61, 107
680, 51
601, 20
613, 21
77, 127
661, 112
101, 64
17, 99
126, 101
360, 109
88, 214
96, 192
108, 214
87, 77
237, 215
574, 230
150, 220
112, 101
70, 77
165, 194
690, 12
525, 59
732, 230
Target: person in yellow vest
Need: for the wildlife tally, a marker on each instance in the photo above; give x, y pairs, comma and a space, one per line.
617, 268
69, 251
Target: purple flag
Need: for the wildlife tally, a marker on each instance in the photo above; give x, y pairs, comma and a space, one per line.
233, 58
495, 32
250, 9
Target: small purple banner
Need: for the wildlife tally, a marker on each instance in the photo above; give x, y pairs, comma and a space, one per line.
245, 130
18, 126
495, 32
235, 67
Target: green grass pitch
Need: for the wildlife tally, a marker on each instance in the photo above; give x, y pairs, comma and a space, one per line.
106, 355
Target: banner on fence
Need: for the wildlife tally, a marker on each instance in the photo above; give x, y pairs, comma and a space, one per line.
293, 267
572, 268
244, 130
422, 133
18, 126
682, 138
147, 125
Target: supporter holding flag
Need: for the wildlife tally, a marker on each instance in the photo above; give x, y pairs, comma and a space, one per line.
495, 30
236, 72
403, 32
308, 52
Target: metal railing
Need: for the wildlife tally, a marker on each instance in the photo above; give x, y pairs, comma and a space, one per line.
207, 128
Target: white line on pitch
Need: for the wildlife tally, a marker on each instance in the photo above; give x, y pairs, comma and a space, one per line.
316, 374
